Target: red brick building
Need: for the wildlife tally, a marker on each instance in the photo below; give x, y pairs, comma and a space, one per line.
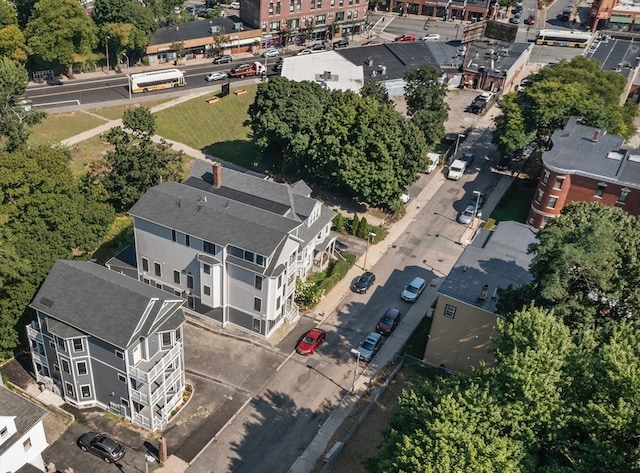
614, 15
296, 21
585, 164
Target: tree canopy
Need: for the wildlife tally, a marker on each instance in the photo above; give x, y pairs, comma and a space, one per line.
425, 94
579, 87
59, 31
585, 267
555, 401
358, 145
44, 217
137, 163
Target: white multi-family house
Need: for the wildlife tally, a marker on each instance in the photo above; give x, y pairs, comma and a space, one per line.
231, 244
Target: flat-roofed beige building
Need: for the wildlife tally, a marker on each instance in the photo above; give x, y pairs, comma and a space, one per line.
465, 314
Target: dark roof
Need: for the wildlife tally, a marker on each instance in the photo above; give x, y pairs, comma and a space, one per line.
401, 57
496, 258
492, 56
194, 30
26, 413
83, 297
125, 262
575, 151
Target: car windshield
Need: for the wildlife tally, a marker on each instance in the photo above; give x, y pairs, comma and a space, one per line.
386, 320
368, 345
308, 340
412, 289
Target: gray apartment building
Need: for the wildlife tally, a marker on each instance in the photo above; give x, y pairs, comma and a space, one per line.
231, 244
103, 339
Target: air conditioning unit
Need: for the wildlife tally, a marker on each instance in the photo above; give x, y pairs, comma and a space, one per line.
214, 29
238, 26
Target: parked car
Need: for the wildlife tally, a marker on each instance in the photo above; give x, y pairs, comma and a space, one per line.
224, 59
215, 76
477, 199
412, 291
504, 164
370, 346
234, 5
466, 216
271, 53
363, 282
405, 38
304, 52
318, 47
516, 18
467, 158
371, 43
278, 67
530, 21
101, 446
341, 43
389, 322
430, 37
310, 341
341, 246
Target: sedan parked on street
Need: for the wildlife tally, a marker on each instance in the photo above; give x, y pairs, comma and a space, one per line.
370, 346
430, 37
318, 47
271, 53
466, 216
311, 341
389, 322
304, 52
412, 291
363, 282
101, 446
224, 59
405, 38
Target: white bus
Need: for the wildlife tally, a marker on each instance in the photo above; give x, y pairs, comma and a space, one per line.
569, 38
146, 81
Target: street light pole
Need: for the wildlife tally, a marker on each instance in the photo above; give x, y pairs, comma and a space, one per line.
355, 370
475, 210
106, 45
128, 75
366, 253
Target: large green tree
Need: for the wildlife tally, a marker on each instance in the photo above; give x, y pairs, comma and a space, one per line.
60, 32
425, 96
358, 145
14, 120
44, 216
554, 402
585, 266
137, 163
129, 25
579, 87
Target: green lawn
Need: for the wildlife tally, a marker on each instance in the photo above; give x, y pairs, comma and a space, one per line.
216, 129
516, 202
59, 126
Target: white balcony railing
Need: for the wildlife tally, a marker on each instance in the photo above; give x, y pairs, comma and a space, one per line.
146, 376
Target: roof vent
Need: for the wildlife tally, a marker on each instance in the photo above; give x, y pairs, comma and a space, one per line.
484, 293
596, 135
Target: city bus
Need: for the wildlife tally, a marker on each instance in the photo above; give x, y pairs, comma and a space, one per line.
569, 38
146, 81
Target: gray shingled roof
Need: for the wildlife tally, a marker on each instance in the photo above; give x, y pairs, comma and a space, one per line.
27, 414
496, 258
213, 218
194, 30
575, 151
102, 303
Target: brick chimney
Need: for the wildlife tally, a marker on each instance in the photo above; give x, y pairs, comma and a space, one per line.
596, 135
216, 172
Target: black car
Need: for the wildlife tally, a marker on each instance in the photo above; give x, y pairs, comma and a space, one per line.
341, 43
318, 47
277, 67
362, 283
224, 59
341, 246
467, 158
101, 446
477, 199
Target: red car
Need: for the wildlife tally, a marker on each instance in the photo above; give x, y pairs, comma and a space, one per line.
310, 341
405, 37
389, 322
530, 21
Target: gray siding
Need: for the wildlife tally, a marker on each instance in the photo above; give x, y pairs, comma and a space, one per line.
242, 291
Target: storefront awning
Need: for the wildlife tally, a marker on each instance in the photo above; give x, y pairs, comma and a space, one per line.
620, 19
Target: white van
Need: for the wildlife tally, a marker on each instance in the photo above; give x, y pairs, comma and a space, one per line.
456, 170
433, 161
